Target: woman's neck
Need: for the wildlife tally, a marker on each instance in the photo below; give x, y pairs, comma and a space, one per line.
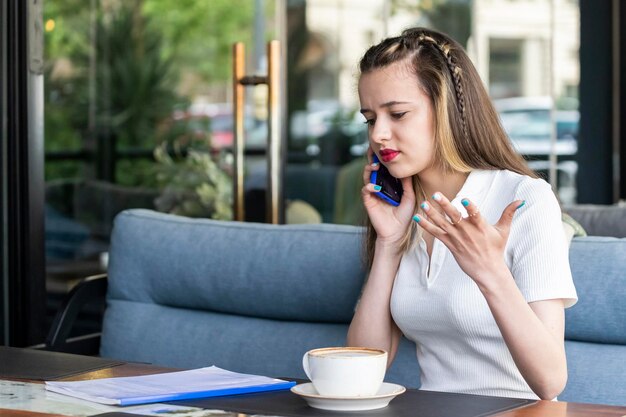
449, 184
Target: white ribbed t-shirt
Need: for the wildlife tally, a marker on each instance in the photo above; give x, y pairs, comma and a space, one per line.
459, 346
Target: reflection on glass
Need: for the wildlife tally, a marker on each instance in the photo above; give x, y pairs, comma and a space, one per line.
137, 115
528, 123
510, 43
138, 109
527, 53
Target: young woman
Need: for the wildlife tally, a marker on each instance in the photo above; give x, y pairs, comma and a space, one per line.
473, 264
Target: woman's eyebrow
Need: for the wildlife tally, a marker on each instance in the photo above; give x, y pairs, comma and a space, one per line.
387, 104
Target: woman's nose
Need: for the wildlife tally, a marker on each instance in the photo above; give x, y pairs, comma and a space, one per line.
380, 132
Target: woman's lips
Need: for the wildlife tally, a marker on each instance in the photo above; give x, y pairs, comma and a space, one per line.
387, 155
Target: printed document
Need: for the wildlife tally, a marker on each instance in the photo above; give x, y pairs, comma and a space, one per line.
196, 383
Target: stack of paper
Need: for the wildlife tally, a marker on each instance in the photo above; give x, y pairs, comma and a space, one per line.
196, 383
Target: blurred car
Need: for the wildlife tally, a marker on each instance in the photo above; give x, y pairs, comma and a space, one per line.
528, 124
317, 120
327, 126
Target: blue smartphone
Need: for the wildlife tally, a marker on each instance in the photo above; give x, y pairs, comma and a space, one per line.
391, 187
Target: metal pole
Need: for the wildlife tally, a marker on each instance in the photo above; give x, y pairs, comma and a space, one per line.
275, 162
238, 142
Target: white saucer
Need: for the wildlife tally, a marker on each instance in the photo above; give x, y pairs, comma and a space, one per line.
385, 394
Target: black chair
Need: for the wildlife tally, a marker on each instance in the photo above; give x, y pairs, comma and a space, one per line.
90, 291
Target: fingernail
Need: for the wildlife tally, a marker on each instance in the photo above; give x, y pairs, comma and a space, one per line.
436, 196
521, 205
417, 218
374, 164
377, 187
465, 202
424, 205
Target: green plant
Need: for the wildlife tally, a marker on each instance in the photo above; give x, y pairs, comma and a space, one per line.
109, 87
136, 87
193, 185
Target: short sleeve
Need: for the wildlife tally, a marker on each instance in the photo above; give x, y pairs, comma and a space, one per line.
537, 250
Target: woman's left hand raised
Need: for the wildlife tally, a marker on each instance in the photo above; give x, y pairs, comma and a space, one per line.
477, 246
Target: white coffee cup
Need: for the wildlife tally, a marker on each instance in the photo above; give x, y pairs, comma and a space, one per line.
345, 371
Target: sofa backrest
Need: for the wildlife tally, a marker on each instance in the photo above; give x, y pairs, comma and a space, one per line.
298, 272
595, 327
247, 297
599, 219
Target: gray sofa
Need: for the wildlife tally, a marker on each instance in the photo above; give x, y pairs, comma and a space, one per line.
254, 297
600, 220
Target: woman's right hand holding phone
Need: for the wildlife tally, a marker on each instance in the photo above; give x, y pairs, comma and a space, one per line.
390, 222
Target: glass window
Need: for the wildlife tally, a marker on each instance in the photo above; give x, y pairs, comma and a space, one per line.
525, 64
138, 104
138, 114
527, 54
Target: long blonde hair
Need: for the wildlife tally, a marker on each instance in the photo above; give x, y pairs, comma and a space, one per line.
468, 133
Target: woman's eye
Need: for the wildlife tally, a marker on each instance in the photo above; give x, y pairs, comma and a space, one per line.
370, 122
399, 115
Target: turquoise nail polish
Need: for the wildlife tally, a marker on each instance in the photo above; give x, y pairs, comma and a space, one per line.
424, 205
465, 202
417, 218
436, 196
377, 187
521, 205
374, 164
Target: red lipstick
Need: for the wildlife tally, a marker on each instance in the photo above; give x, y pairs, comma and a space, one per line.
387, 155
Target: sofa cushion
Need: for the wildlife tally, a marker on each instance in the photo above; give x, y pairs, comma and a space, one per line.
290, 272
596, 373
571, 227
599, 271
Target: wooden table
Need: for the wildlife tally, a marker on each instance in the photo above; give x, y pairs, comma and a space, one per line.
539, 409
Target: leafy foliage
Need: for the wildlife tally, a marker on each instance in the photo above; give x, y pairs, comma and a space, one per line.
199, 34
125, 62
193, 186
114, 71
136, 90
